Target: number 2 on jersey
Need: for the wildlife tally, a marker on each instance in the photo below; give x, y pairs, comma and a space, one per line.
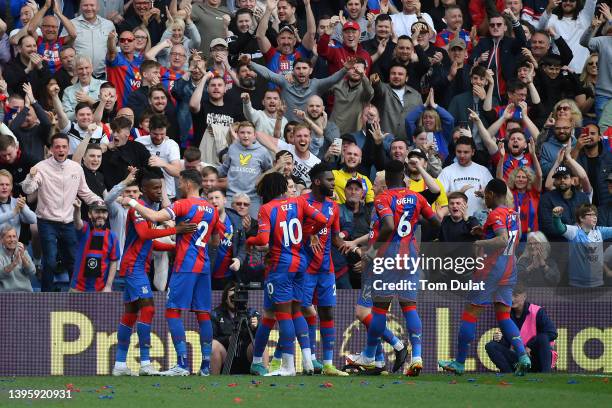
202, 230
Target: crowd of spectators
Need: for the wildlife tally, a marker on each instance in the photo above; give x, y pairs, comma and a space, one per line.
96, 92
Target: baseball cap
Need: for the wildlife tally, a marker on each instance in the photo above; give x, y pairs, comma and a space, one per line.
457, 43
286, 27
218, 41
562, 171
355, 181
417, 152
351, 25
100, 206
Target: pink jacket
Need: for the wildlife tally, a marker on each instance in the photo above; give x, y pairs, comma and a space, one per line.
58, 185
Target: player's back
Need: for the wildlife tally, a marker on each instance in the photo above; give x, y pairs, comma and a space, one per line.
500, 266
191, 252
136, 251
286, 217
321, 261
405, 206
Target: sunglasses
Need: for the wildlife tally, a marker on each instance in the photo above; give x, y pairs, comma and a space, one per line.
126, 40
241, 204
563, 108
496, 24
141, 37
592, 63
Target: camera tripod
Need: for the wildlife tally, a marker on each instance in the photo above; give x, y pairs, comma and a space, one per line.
241, 321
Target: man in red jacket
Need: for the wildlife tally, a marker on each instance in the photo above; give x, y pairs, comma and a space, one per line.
336, 57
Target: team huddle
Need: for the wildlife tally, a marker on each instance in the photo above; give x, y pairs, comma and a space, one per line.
298, 234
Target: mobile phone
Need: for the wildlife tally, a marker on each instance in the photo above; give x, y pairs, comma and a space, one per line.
430, 137
369, 129
337, 142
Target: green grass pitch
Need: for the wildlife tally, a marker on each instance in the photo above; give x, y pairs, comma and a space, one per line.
439, 390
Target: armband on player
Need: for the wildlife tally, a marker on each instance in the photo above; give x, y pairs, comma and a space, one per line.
132, 203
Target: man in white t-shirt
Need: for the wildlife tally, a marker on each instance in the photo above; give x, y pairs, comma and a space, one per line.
466, 176
402, 22
164, 151
300, 149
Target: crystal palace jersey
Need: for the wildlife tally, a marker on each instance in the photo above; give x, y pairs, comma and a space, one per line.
321, 262
499, 266
404, 206
191, 252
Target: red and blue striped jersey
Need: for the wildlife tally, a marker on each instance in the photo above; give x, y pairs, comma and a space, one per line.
511, 162
191, 252
280, 226
526, 204
50, 52
225, 252
405, 206
283, 64
499, 266
321, 261
167, 79
446, 36
136, 251
124, 75
96, 249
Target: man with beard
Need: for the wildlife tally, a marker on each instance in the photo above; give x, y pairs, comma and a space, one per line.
296, 92
395, 99
409, 54
58, 182
350, 48
596, 159
352, 159
98, 251
319, 273
324, 131
303, 159
518, 155
550, 148
122, 153
465, 175
281, 59
66, 75
248, 82
210, 111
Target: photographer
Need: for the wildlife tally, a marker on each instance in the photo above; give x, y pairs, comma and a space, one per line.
223, 319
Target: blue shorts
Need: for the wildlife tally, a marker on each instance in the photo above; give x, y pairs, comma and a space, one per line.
491, 294
189, 291
282, 288
325, 285
137, 286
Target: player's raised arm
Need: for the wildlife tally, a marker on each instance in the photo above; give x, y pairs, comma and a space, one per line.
147, 213
263, 231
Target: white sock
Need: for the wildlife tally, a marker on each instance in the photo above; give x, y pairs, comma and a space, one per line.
257, 360
399, 345
367, 359
379, 364
145, 363
313, 356
306, 356
327, 362
288, 362
120, 364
